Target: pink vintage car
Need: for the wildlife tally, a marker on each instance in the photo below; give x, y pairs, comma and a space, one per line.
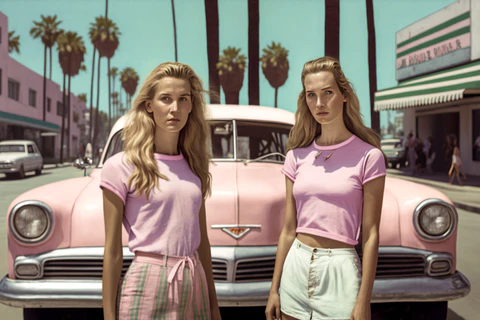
56, 232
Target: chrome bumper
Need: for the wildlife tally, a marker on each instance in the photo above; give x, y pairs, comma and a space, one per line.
88, 293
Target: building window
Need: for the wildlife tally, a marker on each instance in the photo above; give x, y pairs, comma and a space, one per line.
59, 109
75, 117
476, 134
32, 98
49, 105
13, 89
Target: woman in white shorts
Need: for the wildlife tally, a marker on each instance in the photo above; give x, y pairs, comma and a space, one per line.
335, 177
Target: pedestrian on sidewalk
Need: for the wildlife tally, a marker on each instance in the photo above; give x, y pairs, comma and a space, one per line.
476, 148
457, 163
430, 155
412, 155
316, 262
157, 187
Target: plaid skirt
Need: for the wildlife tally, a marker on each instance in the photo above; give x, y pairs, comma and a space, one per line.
164, 287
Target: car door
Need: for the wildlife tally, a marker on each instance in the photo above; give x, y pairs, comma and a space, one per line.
38, 157
30, 161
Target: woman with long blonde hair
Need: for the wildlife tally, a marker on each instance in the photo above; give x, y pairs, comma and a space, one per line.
157, 188
335, 176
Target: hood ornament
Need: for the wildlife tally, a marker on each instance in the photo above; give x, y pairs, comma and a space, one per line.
235, 230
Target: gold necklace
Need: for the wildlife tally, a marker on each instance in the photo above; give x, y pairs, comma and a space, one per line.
326, 158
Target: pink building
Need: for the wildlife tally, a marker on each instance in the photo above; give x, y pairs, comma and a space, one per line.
21, 106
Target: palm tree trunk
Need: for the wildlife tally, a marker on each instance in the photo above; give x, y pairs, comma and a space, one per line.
50, 66
372, 66
109, 98
332, 28
276, 97
90, 129
253, 53
44, 82
232, 97
97, 121
174, 31
69, 115
62, 135
213, 48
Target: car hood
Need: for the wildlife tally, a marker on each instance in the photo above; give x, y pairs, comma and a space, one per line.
11, 156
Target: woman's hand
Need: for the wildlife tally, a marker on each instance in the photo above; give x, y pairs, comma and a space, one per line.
272, 311
361, 311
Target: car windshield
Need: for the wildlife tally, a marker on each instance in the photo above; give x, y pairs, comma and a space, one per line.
253, 140
12, 148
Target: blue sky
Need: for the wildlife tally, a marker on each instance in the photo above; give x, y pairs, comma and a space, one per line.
147, 38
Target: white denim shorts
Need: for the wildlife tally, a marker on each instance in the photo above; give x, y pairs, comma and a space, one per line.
319, 283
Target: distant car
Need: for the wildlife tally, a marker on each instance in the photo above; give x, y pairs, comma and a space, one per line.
18, 157
395, 151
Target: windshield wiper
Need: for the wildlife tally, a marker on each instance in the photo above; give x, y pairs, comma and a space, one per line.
245, 162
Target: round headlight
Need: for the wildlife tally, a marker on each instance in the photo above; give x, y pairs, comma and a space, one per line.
435, 220
30, 222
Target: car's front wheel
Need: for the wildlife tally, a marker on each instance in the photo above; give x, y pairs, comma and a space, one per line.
21, 172
62, 314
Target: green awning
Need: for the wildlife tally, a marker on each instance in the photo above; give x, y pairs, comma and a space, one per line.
28, 122
439, 87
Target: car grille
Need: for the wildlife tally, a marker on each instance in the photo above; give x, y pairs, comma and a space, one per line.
255, 270
391, 265
260, 269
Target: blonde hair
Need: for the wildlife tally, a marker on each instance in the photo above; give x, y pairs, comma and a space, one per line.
306, 128
139, 132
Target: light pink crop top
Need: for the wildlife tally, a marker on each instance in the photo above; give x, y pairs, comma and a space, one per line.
329, 193
168, 223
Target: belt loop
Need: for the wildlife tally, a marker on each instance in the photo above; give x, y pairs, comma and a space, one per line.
165, 261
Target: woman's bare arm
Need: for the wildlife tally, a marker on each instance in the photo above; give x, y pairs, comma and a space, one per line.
372, 209
206, 260
287, 236
113, 255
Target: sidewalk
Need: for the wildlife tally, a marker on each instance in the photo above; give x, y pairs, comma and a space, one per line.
57, 165
466, 197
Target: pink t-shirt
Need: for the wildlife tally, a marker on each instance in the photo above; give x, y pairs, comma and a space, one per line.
329, 193
168, 223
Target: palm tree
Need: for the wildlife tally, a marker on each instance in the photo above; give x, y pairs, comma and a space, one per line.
47, 30
114, 97
174, 31
82, 97
332, 28
113, 73
275, 66
104, 36
213, 48
13, 42
231, 70
129, 79
253, 52
372, 66
71, 51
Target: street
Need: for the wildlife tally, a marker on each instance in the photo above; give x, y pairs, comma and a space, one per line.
466, 308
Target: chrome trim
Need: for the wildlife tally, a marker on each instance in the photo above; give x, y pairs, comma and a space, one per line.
439, 257
433, 201
234, 123
225, 228
50, 220
88, 293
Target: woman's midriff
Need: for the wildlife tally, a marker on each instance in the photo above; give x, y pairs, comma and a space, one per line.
321, 242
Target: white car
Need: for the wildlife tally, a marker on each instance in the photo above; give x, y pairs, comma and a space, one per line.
18, 157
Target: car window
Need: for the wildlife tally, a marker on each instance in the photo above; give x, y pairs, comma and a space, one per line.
12, 148
256, 139
222, 139
30, 149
